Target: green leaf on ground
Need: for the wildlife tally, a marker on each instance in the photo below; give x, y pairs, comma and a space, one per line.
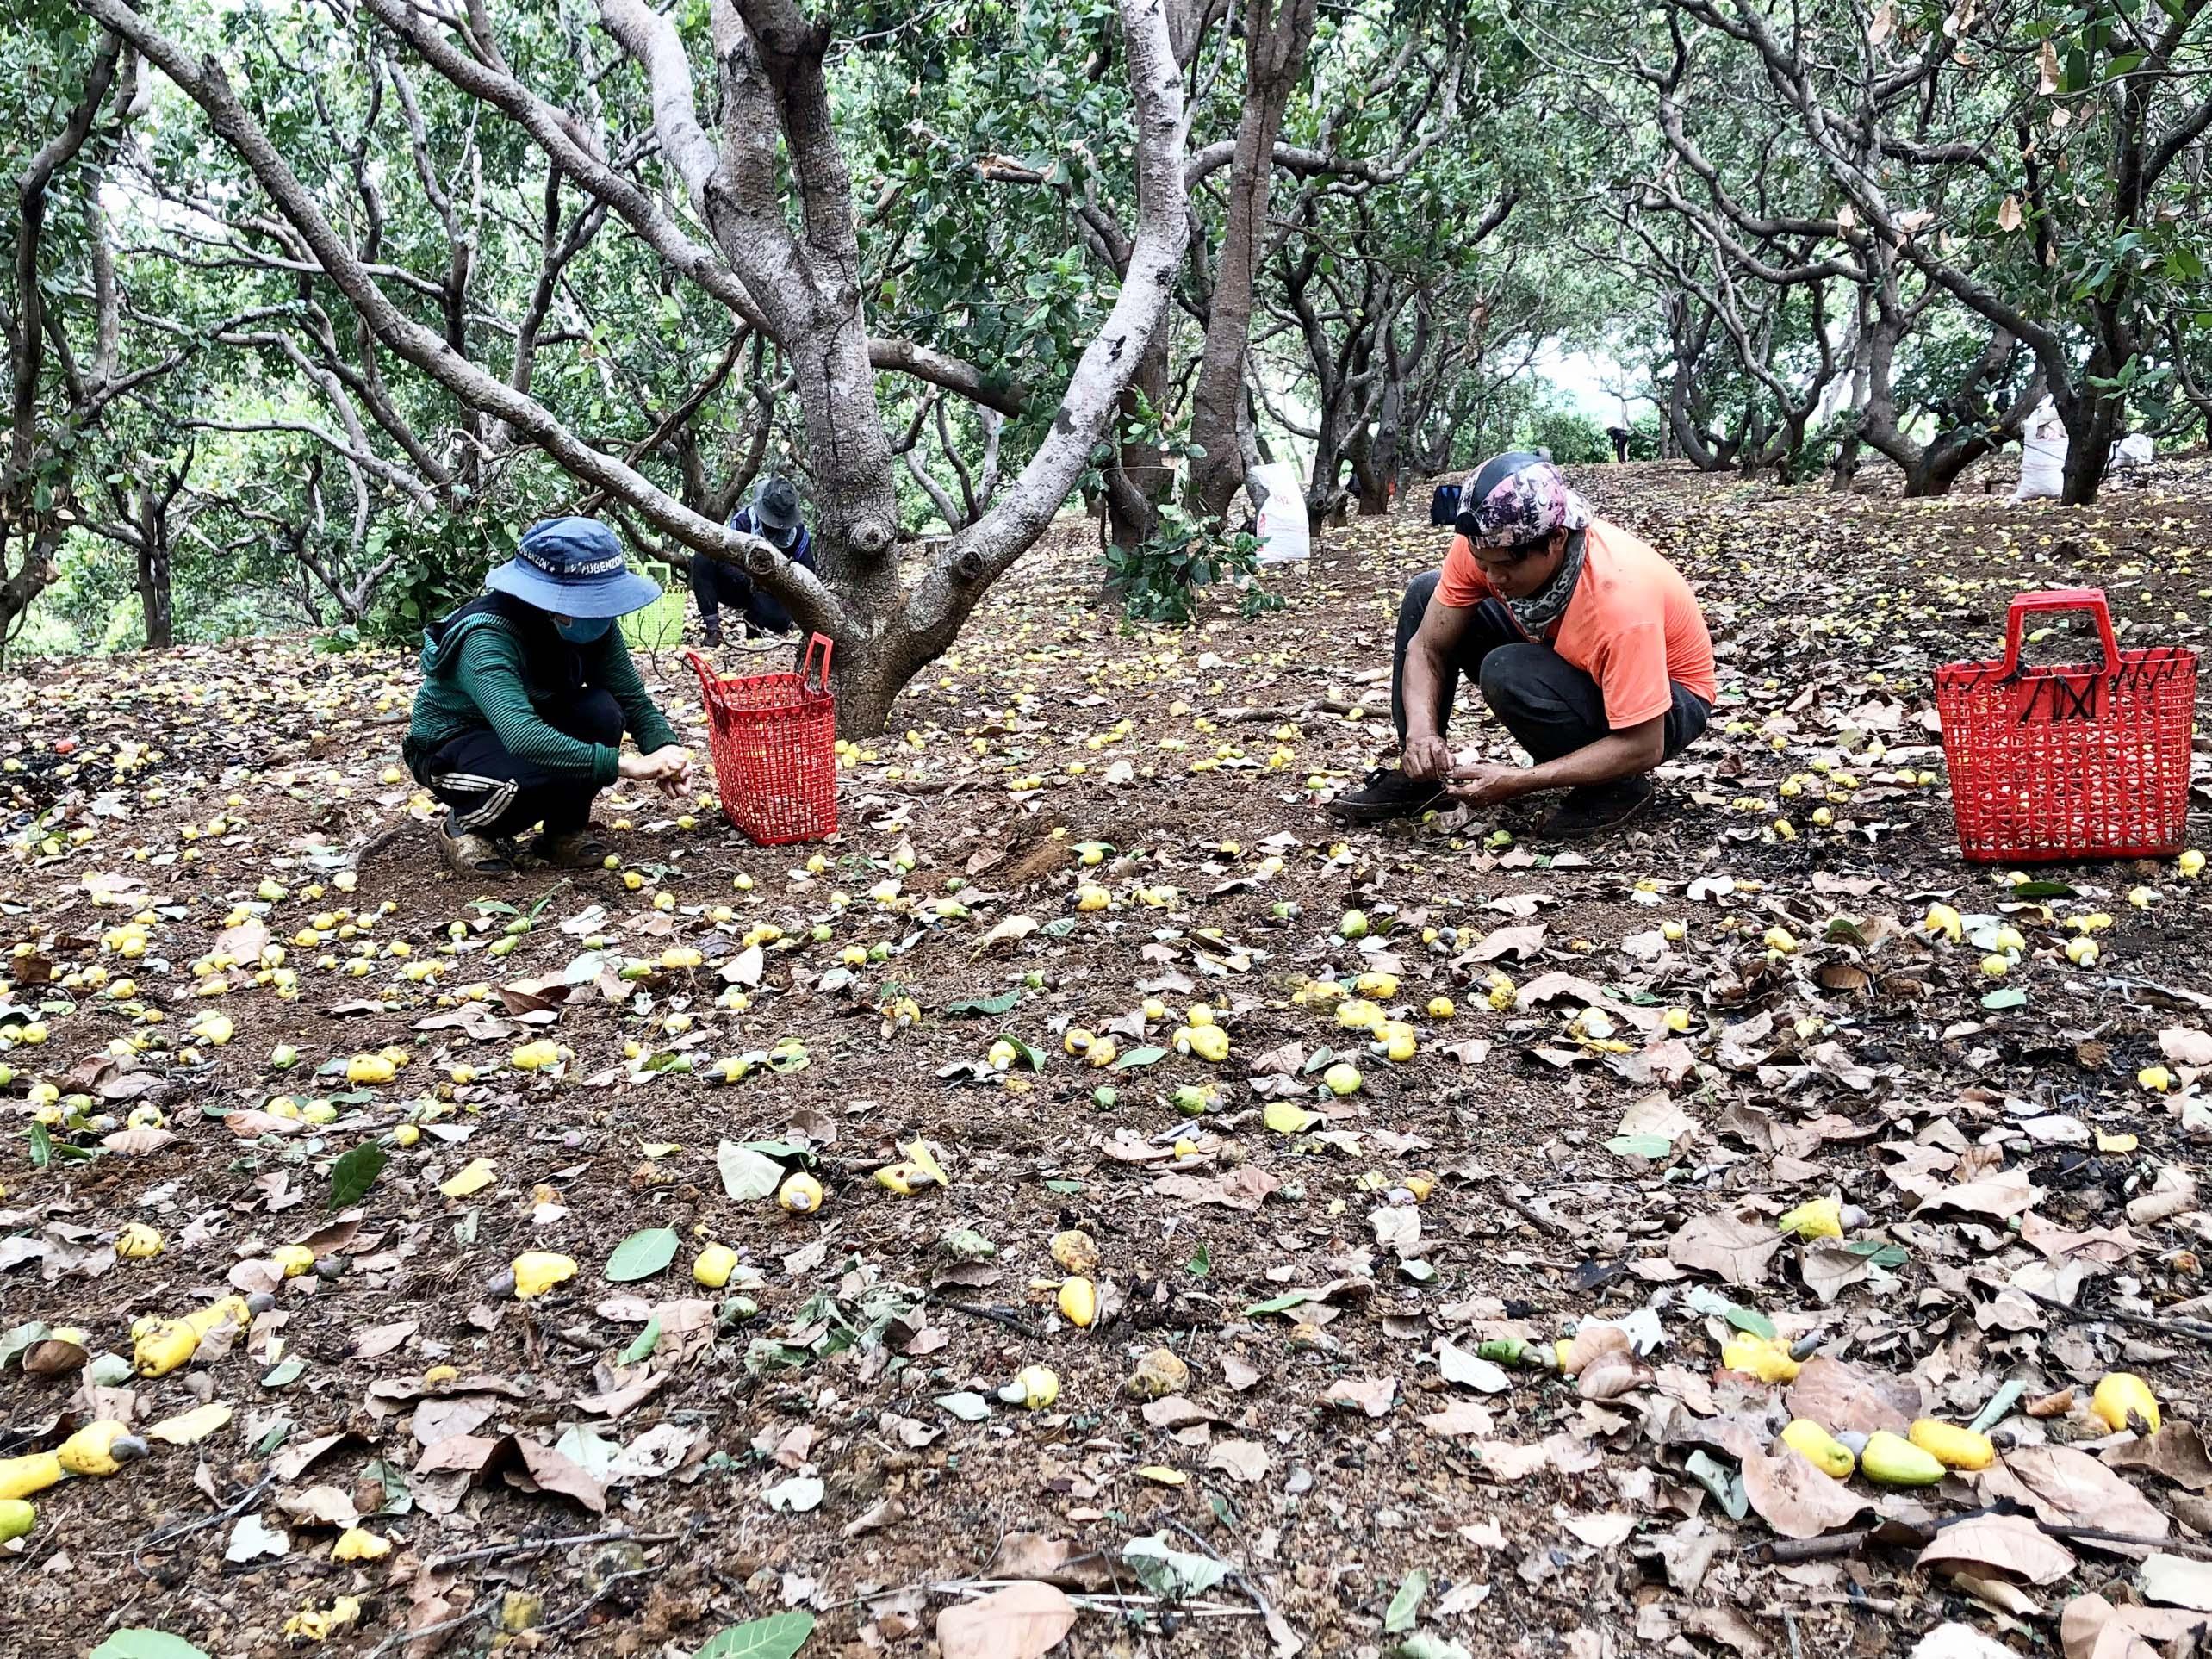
1399, 1616
777, 1637
355, 1172
641, 1254
747, 1174
147, 1644
976, 1006
648, 1339
1137, 1057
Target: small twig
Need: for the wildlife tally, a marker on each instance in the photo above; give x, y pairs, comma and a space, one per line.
1540, 1222
407, 1638
166, 1534
1789, 1623
525, 1546
1788, 1550
1006, 1316
974, 1586
2196, 1330
2136, 1540
1237, 1574
596, 1597
383, 838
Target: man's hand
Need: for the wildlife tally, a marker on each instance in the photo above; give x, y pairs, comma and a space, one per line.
668, 767
1427, 757
1486, 785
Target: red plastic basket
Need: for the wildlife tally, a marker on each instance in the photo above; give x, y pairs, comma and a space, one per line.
773, 737
2075, 761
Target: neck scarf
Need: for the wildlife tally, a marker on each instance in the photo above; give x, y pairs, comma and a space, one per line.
1549, 603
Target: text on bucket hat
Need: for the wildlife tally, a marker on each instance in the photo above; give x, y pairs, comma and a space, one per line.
573, 567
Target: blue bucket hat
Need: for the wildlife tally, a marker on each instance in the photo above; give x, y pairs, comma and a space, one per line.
573, 568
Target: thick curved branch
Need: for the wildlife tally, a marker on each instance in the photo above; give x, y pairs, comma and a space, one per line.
938, 602
203, 81
552, 130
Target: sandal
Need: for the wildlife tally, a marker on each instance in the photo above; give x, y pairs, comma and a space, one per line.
472, 855
572, 849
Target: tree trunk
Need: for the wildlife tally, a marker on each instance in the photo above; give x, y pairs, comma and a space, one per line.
37, 539
2093, 413
1277, 35
1379, 469
1325, 483
154, 597
1138, 480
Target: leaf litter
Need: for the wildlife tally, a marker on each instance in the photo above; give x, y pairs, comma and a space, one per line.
1655, 1048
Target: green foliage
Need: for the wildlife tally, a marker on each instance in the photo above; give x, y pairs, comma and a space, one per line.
1573, 438
440, 569
1159, 580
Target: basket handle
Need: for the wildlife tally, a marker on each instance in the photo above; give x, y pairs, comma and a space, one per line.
708, 678
813, 676
2091, 600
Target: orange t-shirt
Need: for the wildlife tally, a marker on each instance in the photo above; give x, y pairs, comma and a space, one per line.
1632, 626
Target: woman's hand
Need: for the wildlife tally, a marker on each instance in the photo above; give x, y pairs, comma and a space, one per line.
669, 769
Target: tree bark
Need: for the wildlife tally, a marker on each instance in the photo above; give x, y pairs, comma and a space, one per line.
155, 599
802, 290
1138, 480
36, 475
1278, 33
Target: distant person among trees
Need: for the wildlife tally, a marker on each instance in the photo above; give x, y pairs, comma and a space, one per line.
526, 692
1587, 645
773, 514
1620, 436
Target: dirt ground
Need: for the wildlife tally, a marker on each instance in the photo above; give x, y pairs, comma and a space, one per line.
1601, 1132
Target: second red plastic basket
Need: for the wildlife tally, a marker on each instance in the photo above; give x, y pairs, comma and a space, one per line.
773, 737
2070, 761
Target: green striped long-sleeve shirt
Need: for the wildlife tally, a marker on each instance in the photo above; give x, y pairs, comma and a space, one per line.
477, 672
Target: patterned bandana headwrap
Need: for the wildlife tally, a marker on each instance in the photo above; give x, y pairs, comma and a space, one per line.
1511, 500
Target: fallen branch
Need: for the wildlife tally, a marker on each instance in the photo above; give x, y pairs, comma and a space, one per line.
408, 1638
2196, 1330
1276, 1626
1086, 1600
596, 1597
383, 838
180, 1529
525, 1546
1541, 1222
1007, 1316
1833, 1545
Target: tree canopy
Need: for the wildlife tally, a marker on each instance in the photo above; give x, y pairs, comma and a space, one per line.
314, 307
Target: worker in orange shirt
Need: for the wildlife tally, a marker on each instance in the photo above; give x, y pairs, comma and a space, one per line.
1588, 645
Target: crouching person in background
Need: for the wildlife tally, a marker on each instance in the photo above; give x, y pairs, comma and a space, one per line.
717, 585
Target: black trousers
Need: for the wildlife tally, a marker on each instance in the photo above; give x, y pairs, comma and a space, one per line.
1551, 707
494, 793
715, 584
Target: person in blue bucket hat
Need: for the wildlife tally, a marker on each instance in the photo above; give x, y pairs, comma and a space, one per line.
526, 692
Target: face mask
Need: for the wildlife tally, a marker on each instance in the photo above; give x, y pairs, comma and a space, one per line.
582, 631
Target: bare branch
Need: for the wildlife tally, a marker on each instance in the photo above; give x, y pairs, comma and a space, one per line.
810, 598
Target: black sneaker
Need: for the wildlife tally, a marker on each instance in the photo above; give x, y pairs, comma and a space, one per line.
1595, 808
712, 639
1387, 793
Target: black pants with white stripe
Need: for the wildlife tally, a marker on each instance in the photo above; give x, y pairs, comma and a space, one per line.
494, 793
